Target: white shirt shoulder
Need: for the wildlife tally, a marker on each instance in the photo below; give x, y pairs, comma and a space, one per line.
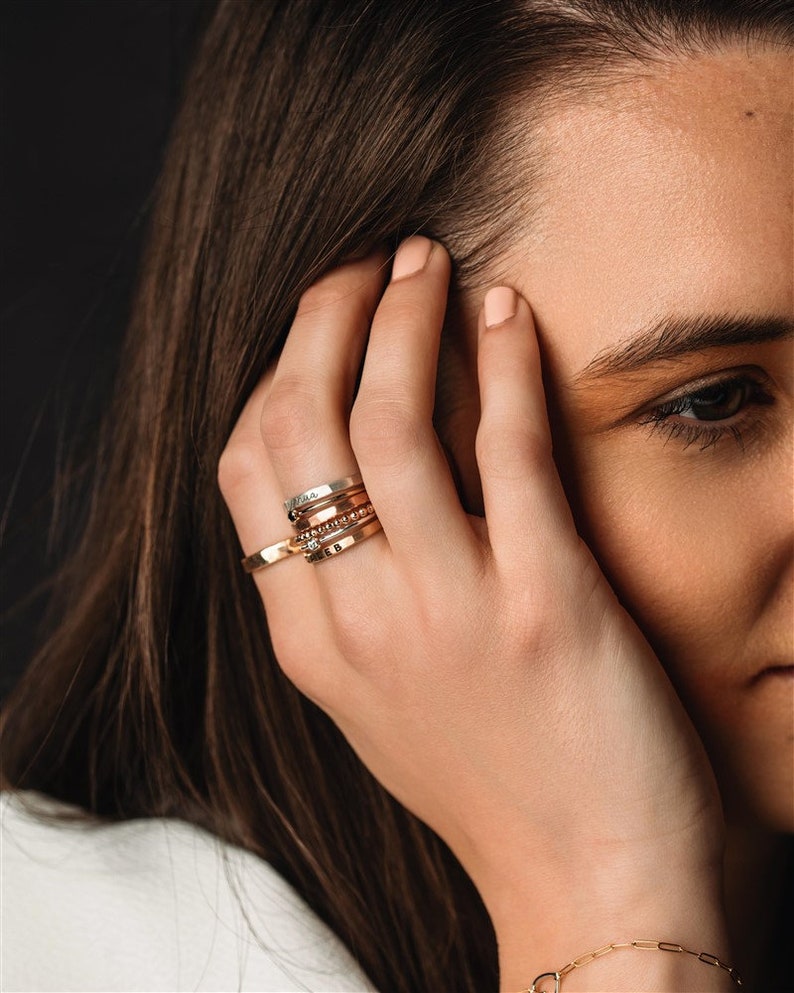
152, 905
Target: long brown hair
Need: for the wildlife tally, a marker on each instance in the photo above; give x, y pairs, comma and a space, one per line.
308, 132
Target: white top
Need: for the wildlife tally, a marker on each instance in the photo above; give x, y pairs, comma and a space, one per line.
152, 905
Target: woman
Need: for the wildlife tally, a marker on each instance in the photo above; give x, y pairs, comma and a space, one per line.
617, 177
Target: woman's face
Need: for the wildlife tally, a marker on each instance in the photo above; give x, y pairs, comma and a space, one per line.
659, 268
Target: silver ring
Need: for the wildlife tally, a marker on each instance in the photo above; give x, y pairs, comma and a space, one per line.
324, 490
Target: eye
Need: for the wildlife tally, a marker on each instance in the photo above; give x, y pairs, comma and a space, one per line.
706, 413
716, 402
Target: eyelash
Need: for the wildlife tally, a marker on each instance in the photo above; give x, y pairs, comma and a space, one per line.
706, 434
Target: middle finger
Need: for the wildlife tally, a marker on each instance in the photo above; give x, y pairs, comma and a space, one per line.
305, 416
304, 420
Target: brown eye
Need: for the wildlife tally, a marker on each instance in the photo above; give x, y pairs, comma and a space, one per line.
715, 403
709, 412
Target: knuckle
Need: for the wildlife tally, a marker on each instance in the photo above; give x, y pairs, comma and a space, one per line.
385, 431
510, 453
324, 659
238, 465
356, 644
337, 288
292, 418
290, 655
286, 647
359, 637
301, 666
405, 312
326, 292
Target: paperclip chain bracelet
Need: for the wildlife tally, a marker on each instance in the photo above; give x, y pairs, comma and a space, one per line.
661, 946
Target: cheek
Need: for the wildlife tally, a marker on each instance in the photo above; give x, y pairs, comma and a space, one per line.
699, 550
677, 548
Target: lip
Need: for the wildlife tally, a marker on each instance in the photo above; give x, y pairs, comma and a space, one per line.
773, 672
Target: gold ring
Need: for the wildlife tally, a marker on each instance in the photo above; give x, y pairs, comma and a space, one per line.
322, 491
325, 507
335, 515
310, 539
271, 554
344, 541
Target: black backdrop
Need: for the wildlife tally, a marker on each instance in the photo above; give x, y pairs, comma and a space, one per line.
88, 91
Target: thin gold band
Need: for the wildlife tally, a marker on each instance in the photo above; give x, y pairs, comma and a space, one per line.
271, 554
345, 540
326, 535
328, 519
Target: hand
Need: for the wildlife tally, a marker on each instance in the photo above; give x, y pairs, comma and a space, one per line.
482, 669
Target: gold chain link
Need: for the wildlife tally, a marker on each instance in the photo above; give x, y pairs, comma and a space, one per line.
660, 946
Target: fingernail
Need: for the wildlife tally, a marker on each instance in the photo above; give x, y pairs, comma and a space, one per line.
499, 305
411, 256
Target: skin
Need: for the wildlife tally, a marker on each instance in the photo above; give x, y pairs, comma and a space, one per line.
470, 724
676, 200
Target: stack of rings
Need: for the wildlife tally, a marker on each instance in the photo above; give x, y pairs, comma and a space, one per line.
328, 519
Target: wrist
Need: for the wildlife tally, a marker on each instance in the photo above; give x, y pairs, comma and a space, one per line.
649, 966
546, 924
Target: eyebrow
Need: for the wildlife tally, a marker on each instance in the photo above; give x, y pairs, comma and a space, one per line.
673, 337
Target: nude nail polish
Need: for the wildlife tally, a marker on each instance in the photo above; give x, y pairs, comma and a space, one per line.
411, 257
499, 305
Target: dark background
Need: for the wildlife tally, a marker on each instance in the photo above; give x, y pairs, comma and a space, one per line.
88, 89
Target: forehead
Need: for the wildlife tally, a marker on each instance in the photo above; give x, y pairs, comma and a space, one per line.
669, 193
